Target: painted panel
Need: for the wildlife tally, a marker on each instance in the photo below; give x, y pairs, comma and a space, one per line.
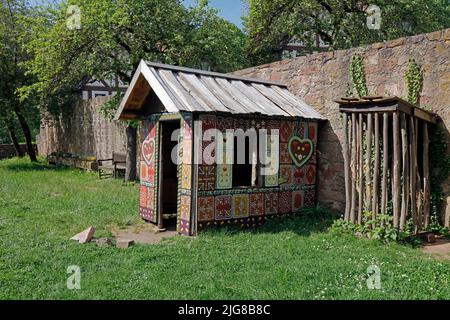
290, 190
240, 206
148, 170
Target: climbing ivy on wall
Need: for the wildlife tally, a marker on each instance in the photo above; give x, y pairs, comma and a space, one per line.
358, 75
414, 82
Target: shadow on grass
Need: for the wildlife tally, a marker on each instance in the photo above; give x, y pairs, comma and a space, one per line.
304, 224
23, 166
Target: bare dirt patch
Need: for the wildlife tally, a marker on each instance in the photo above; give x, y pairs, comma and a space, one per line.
440, 248
142, 234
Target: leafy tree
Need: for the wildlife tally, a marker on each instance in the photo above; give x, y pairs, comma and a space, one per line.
12, 76
339, 23
114, 37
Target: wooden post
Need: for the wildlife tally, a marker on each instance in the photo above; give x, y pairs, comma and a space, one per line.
384, 183
360, 168
396, 170
160, 226
368, 197
413, 171
353, 168
376, 172
345, 150
405, 172
426, 176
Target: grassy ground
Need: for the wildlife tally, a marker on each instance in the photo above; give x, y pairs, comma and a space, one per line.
41, 208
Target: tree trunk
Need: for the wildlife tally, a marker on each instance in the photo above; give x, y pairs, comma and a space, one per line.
13, 138
27, 134
130, 174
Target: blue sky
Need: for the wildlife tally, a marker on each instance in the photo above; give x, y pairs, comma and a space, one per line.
231, 10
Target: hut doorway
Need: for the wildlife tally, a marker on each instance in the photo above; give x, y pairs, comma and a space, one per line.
168, 177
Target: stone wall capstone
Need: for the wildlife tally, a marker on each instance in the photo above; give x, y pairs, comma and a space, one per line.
320, 78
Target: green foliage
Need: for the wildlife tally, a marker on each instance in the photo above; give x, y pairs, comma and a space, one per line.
440, 171
414, 82
339, 24
12, 75
115, 36
379, 228
358, 75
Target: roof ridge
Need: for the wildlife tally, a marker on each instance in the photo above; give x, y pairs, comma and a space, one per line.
212, 74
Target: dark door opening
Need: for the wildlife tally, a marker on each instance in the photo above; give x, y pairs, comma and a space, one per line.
168, 176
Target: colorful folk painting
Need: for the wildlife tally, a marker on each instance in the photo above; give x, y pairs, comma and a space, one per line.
286, 130
286, 175
186, 172
300, 150
224, 176
298, 176
310, 174
285, 157
256, 204
185, 207
206, 208
285, 202
297, 200
240, 206
223, 206
271, 203
206, 177
310, 198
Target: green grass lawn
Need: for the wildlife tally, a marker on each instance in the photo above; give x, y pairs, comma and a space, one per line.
42, 207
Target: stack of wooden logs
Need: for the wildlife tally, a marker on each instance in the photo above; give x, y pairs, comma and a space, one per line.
386, 159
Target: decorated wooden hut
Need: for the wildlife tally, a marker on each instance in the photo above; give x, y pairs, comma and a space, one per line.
386, 159
188, 114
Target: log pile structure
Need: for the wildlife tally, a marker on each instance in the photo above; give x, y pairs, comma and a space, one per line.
386, 159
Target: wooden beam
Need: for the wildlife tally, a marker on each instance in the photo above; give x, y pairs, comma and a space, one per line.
353, 168
368, 170
405, 172
345, 147
413, 172
396, 169
160, 178
384, 183
360, 168
426, 176
376, 174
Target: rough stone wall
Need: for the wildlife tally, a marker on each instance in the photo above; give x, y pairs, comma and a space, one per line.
84, 132
320, 78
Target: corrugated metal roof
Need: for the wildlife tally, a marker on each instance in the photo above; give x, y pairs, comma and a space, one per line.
185, 89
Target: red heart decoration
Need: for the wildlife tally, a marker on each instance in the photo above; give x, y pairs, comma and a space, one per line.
148, 150
300, 150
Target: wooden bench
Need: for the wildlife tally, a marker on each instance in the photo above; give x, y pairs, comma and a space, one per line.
112, 166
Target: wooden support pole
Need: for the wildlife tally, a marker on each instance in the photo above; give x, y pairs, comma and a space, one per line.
396, 169
345, 151
353, 168
384, 183
414, 173
368, 197
426, 176
405, 172
376, 172
360, 168
419, 205
160, 226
